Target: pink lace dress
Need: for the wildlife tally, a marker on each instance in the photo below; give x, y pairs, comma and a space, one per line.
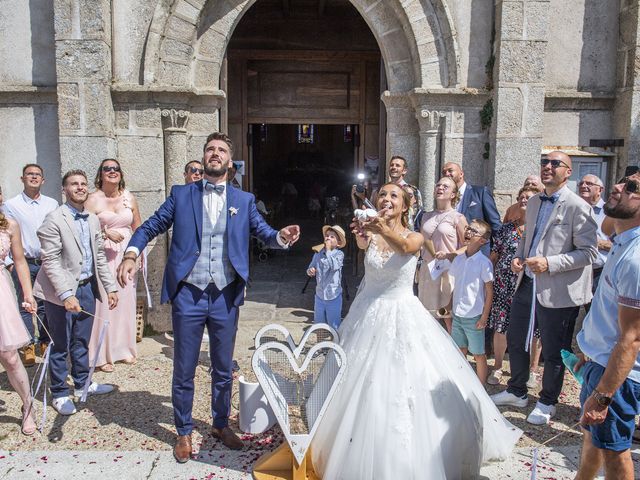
120, 338
13, 333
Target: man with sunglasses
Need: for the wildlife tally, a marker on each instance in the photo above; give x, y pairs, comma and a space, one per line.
590, 190
610, 342
553, 261
193, 172
29, 209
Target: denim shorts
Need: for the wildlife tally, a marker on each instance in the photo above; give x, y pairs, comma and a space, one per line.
466, 335
617, 429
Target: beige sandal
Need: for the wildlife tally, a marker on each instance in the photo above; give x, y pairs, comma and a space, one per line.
28, 431
107, 368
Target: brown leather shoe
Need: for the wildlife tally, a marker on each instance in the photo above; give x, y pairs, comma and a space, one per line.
29, 355
182, 449
228, 438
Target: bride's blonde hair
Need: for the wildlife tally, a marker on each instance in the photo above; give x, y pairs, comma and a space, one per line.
406, 201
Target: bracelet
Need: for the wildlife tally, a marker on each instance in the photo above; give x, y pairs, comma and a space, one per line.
130, 257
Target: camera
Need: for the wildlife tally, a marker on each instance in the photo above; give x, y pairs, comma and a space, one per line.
360, 188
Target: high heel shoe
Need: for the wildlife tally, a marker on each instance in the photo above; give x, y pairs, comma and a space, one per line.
28, 416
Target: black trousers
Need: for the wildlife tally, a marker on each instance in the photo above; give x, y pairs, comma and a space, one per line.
555, 324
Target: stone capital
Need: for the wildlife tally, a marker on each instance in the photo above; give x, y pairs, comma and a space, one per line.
429, 120
173, 119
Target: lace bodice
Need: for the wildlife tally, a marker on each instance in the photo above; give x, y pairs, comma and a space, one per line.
5, 244
387, 272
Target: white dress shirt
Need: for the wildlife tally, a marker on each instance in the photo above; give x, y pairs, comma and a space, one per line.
598, 212
30, 214
461, 191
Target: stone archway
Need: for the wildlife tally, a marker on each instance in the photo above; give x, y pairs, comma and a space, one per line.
188, 39
186, 44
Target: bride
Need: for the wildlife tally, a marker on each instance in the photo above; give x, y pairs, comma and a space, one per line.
409, 406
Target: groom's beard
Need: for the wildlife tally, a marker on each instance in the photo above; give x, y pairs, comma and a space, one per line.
215, 172
620, 211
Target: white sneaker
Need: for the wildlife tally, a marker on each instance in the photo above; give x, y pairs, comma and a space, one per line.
494, 378
96, 389
534, 380
541, 414
64, 405
506, 398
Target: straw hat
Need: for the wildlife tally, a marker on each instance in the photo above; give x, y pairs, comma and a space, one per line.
342, 238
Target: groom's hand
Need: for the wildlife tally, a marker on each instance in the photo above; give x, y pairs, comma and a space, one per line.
126, 269
290, 234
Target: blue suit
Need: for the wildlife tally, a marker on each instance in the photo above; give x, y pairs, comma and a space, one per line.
192, 308
477, 203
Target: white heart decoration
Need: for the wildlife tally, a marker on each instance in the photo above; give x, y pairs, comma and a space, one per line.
299, 443
296, 349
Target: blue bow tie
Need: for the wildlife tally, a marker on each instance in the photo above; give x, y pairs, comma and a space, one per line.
81, 216
546, 198
215, 188
597, 209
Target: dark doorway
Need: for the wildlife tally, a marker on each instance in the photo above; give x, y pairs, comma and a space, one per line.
304, 178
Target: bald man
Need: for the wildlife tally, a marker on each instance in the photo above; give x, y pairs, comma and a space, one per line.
553, 263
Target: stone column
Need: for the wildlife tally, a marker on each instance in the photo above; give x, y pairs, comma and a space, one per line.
174, 123
429, 121
627, 103
402, 133
83, 69
518, 99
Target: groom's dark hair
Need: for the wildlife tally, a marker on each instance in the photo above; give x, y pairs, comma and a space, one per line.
219, 136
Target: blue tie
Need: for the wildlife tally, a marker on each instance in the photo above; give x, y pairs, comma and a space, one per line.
81, 216
546, 198
215, 188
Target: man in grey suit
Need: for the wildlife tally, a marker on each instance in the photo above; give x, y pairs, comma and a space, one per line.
554, 263
73, 266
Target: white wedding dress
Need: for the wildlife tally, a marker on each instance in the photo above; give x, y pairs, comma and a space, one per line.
410, 406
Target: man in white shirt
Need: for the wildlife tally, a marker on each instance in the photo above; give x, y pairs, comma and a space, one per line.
29, 209
590, 189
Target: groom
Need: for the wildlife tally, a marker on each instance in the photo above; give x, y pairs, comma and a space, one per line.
205, 277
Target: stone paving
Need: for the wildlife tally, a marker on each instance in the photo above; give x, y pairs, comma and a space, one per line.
129, 434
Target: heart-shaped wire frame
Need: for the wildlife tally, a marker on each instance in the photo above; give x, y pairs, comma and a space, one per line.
296, 349
299, 443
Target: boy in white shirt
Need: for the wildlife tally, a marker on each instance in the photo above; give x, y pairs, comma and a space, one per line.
472, 294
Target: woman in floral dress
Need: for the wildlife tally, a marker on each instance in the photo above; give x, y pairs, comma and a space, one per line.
505, 244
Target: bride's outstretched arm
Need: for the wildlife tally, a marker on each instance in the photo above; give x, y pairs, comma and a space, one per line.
362, 237
399, 243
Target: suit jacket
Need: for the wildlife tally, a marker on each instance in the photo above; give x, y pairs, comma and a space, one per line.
478, 203
61, 255
183, 209
569, 244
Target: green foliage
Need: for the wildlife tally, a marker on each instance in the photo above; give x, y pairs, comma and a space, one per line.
486, 115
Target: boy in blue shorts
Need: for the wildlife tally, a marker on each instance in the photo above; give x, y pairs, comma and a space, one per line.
326, 266
472, 272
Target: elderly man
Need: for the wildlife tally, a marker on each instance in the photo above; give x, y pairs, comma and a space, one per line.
554, 266
476, 202
610, 340
590, 190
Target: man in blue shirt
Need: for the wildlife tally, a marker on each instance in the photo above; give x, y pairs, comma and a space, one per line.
610, 342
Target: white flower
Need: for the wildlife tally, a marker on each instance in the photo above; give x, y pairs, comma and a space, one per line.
233, 210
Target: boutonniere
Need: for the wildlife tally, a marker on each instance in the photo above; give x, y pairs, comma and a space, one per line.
233, 211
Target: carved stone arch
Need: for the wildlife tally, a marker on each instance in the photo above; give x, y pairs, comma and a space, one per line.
188, 38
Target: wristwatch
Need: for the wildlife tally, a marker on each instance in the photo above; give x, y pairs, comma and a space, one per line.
602, 399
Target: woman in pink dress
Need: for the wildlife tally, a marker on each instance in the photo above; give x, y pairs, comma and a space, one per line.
119, 216
444, 227
13, 334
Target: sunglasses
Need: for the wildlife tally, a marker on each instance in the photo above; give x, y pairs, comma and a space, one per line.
588, 184
631, 185
554, 163
109, 168
197, 170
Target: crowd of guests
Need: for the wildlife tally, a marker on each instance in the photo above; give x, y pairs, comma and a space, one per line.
517, 285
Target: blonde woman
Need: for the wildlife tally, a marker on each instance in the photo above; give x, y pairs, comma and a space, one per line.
442, 229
